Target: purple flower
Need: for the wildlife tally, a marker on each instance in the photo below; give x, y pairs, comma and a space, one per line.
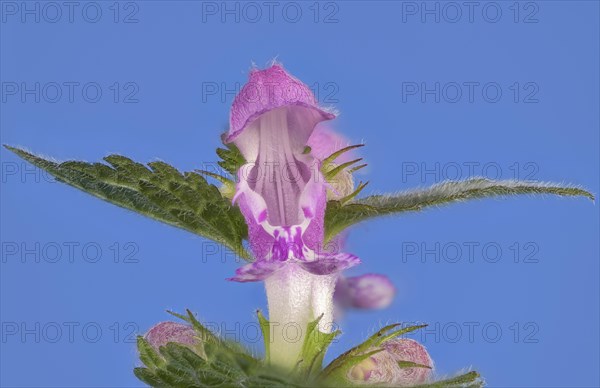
282, 195
165, 332
280, 189
369, 291
385, 367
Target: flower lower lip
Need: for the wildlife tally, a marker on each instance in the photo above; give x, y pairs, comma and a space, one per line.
324, 265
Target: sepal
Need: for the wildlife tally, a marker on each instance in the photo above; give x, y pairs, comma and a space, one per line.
313, 351
221, 362
226, 363
231, 158
265, 328
338, 368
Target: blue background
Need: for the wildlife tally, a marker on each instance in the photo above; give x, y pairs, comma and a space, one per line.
358, 61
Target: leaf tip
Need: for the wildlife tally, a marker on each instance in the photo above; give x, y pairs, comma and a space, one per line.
12, 148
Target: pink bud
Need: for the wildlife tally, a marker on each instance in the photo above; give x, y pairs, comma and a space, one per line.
324, 141
383, 367
165, 332
369, 291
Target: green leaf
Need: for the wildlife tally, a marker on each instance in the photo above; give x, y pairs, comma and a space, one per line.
266, 333
204, 334
148, 377
214, 346
314, 348
328, 161
220, 351
231, 158
180, 316
342, 364
339, 215
337, 376
175, 380
176, 365
180, 363
265, 378
231, 161
381, 339
410, 364
185, 201
470, 379
353, 194
148, 355
229, 365
329, 175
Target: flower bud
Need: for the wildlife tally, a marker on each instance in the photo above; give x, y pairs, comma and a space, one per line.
369, 291
384, 368
165, 332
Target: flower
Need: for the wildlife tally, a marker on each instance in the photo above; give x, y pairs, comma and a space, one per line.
385, 368
282, 194
368, 291
165, 332
280, 189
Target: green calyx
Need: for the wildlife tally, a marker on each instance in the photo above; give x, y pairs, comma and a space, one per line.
215, 361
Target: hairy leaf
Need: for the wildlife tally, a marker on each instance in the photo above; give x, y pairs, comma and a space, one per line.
314, 349
337, 369
340, 215
226, 363
160, 192
220, 363
265, 328
468, 380
411, 364
148, 355
231, 158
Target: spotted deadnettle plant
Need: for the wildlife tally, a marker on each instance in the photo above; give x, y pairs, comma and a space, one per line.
284, 201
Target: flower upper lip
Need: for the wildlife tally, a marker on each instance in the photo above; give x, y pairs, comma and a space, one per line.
266, 90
